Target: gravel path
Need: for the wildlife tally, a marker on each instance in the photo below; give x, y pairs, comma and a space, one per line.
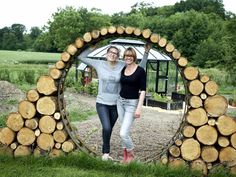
150, 133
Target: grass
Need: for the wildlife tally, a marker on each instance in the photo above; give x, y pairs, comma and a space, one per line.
80, 164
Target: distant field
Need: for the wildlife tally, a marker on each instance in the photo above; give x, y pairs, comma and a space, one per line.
32, 57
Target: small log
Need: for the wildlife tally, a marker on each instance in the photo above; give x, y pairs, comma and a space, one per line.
103, 31
174, 151
65, 56
87, 37
60, 136
209, 154
37, 152
47, 105
162, 42
164, 159
32, 123
199, 165
211, 122
176, 54
190, 149
55, 153
178, 142
204, 78
47, 124
37, 132
197, 117
233, 140
32, 95
176, 163
129, 30
188, 131
26, 136
60, 125
60, 64
228, 155
170, 47
68, 146
203, 96
46, 85
57, 115
14, 145
146, 33
207, 135
154, 38
58, 145
71, 49
79, 43
195, 87
137, 32
15, 121
226, 125
6, 151
95, 34
120, 30
211, 88
55, 73
45, 141
22, 150
209, 166
182, 62
233, 170
111, 29
7, 136
223, 141
26, 109
216, 105
191, 73
195, 102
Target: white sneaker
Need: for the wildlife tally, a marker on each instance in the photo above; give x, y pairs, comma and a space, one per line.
106, 157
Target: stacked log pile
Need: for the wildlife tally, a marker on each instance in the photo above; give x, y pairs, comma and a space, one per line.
208, 135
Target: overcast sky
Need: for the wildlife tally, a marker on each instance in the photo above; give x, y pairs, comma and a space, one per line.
37, 13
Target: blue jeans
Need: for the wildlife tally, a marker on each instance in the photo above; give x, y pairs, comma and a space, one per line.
108, 116
126, 109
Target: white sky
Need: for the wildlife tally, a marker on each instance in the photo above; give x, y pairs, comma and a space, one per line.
37, 13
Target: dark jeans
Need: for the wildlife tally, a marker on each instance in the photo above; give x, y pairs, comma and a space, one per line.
108, 116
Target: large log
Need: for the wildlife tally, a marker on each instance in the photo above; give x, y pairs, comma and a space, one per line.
7, 136
56, 153
6, 151
226, 125
182, 62
154, 38
45, 141
47, 124
207, 135
176, 162
209, 154
26, 109
111, 29
60, 64
195, 101
195, 87
32, 95
228, 155
176, 54
170, 47
188, 131
120, 30
71, 49
197, 117
199, 165
146, 33
32, 123
22, 150
26, 136
216, 105
162, 42
103, 31
95, 34
79, 43
65, 56
60, 136
55, 73
191, 73
15, 121
47, 105
87, 37
211, 88
233, 140
46, 85
129, 30
190, 149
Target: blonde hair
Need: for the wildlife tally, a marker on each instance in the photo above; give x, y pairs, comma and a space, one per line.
130, 51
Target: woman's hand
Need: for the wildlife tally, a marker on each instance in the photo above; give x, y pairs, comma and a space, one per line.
137, 113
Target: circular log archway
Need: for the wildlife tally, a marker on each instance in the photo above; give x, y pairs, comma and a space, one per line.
47, 127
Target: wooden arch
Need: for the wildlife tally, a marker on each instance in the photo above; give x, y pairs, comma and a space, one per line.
207, 135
